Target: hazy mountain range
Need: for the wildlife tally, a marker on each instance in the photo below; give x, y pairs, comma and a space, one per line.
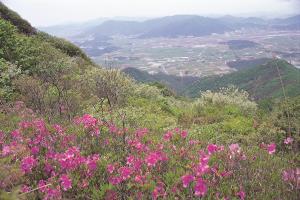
171, 26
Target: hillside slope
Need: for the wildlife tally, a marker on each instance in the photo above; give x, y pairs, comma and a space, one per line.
174, 82
260, 81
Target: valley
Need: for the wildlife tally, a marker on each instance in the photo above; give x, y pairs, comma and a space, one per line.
190, 55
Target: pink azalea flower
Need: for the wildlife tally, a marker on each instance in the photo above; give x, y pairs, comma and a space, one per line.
200, 187
115, 180
130, 160
58, 129
235, 148
91, 162
42, 186
66, 182
140, 179
35, 150
184, 134
53, 193
125, 172
16, 134
186, 180
212, 148
154, 157
158, 191
28, 163
141, 132
110, 168
241, 194
6, 151
271, 148
168, 136
25, 188
288, 140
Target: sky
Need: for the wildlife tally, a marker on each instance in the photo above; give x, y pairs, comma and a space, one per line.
52, 12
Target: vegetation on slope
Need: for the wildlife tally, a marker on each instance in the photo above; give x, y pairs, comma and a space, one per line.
13, 17
261, 81
176, 83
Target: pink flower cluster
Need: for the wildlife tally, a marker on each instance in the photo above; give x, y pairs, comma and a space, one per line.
59, 164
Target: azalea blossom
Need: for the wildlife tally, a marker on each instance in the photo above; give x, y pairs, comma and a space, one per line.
200, 187
66, 182
125, 172
271, 148
168, 136
110, 168
155, 157
28, 163
288, 140
186, 180
212, 148
241, 194
184, 134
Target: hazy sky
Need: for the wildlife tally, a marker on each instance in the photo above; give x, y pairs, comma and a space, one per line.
50, 12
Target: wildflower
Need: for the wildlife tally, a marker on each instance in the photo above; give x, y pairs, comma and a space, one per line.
58, 129
200, 187
234, 148
158, 191
271, 148
154, 157
110, 168
130, 160
42, 186
125, 172
184, 134
27, 164
115, 180
212, 148
66, 182
25, 189
288, 140
140, 179
168, 136
241, 194
91, 162
141, 132
292, 176
6, 150
186, 180
16, 134
53, 193
35, 150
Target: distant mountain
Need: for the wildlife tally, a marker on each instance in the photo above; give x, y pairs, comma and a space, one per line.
69, 30
176, 83
249, 63
260, 81
172, 26
185, 26
188, 25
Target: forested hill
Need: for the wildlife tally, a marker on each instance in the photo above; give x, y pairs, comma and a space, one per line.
261, 81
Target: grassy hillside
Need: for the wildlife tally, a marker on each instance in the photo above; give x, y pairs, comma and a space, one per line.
261, 81
174, 82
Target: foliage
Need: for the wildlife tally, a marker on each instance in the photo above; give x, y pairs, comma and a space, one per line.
260, 82
11, 16
94, 158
